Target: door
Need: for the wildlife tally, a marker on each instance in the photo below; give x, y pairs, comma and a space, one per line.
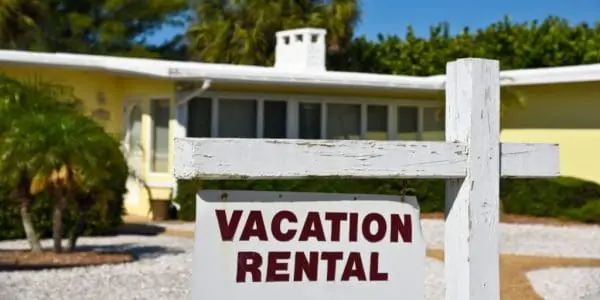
132, 149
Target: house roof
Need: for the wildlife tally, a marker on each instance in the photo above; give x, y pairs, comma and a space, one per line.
184, 71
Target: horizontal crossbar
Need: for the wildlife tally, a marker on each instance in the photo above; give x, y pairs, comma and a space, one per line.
219, 158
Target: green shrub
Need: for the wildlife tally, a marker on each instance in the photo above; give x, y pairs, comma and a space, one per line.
429, 192
100, 220
563, 197
588, 213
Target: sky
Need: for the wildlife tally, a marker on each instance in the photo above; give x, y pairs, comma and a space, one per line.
392, 16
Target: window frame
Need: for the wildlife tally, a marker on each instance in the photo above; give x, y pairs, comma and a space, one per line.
149, 136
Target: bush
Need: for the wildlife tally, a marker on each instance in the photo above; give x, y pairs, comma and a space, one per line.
429, 192
100, 220
563, 197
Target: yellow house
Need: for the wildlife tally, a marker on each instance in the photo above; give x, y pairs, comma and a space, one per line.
149, 102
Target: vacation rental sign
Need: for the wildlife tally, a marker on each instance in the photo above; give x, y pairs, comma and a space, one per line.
307, 246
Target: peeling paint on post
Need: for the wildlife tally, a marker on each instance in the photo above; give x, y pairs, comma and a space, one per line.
472, 159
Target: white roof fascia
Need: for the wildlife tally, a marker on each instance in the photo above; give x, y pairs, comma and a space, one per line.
540, 76
261, 75
176, 70
567, 74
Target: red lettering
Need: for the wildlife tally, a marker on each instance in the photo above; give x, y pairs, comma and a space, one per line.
353, 228
354, 268
366, 227
401, 228
248, 262
276, 226
273, 265
307, 265
331, 258
255, 227
374, 274
228, 229
336, 219
312, 228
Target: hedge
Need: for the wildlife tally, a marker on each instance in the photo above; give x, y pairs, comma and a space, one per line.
564, 197
100, 220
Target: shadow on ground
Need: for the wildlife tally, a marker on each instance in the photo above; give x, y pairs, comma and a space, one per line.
133, 251
140, 229
138, 251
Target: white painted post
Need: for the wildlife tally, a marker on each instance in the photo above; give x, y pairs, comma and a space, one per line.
472, 202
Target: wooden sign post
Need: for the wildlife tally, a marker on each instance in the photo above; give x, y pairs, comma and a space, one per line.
472, 160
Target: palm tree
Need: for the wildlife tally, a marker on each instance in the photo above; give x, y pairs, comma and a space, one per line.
64, 153
20, 99
243, 32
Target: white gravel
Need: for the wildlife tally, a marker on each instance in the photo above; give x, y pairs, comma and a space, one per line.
164, 268
567, 283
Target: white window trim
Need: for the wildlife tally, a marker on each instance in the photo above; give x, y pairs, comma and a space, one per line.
148, 156
129, 103
294, 100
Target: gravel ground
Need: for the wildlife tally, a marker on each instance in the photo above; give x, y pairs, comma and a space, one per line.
561, 282
164, 268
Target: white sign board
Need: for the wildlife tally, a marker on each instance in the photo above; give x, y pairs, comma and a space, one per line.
285, 245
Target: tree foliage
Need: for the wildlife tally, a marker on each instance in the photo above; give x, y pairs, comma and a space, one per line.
115, 27
551, 42
243, 32
19, 22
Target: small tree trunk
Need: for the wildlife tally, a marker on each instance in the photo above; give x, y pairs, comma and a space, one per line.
32, 237
79, 227
57, 224
25, 200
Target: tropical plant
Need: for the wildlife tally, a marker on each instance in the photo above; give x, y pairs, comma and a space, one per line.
18, 100
243, 32
47, 145
63, 153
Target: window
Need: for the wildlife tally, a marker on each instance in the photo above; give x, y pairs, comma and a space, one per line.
343, 121
199, 117
433, 124
309, 122
275, 119
408, 125
377, 122
160, 114
237, 118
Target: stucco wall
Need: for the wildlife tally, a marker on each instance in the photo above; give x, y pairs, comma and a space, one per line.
567, 114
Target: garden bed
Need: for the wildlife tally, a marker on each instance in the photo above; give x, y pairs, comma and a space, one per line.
14, 260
